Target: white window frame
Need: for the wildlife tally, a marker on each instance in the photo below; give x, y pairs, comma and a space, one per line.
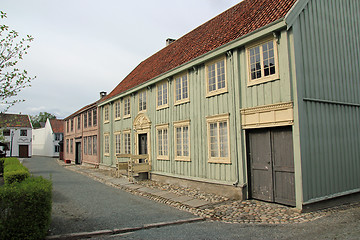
160, 94
217, 90
142, 98
217, 119
161, 143
180, 77
117, 110
106, 114
127, 106
117, 142
127, 132
182, 124
263, 78
107, 144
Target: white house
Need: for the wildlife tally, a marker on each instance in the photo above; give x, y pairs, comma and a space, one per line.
16, 132
46, 140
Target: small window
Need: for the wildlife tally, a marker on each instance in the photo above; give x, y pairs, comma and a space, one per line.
89, 118
262, 62
106, 114
117, 110
216, 77
85, 145
181, 89
117, 143
107, 144
142, 101
89, 145
72, 125
23, 133
67, 145
85, 120
67, 126
57, 148
182, 140
162, 95
95, 117
57, 137
79, 122
71, 145
218, 139
126, 107
127, 143
162, 142
6, 132
94, 145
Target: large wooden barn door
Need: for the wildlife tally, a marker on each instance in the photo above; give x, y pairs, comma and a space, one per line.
270, 154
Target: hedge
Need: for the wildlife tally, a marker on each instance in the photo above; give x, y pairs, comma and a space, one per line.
2, 165
14, 171
25, 209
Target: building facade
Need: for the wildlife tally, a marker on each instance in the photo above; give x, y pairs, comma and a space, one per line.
81, 136
262, 105
46, 140
17, 135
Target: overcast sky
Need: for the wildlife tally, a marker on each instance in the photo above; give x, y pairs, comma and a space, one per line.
82, 47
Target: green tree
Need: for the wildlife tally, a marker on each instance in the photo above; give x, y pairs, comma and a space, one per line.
12, 79
42, 117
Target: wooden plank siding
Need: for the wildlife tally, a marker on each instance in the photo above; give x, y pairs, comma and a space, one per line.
327, 53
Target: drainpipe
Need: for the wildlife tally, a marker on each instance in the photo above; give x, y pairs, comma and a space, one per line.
230, 55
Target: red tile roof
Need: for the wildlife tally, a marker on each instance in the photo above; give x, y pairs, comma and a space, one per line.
57, 125
243, 18
14, 120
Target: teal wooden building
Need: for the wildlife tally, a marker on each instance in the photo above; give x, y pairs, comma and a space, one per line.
259, 102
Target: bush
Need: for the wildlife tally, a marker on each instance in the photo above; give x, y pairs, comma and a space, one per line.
14, 171
2, 165
25, 209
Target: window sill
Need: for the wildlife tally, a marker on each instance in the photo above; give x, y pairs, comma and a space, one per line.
216, 92
161, 158
179, 159
117, 119
262, 80
105, 122
182, 101
127, 116
219, 160
162, 107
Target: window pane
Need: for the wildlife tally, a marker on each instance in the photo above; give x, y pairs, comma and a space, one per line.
186, 141
269, 58
223, 139
211, 78
178, 142
160, 143
255, 66
165, 142
160, 95
89, 145
184, 87
221, 74
94, 145
165, 101
213, 140
178, 89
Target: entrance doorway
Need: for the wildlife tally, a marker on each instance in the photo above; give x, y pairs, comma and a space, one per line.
271, 165
78, 153
23, 151
143, 148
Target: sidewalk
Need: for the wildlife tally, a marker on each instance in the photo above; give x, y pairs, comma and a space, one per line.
209, 206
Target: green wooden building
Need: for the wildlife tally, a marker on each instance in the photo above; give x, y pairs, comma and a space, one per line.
259, 102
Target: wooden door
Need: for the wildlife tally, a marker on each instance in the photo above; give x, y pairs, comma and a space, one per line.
78, 153
271, 165
23, 151
143, 148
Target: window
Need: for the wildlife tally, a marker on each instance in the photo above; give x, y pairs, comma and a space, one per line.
67, 145
95, 117
94, 145
85, 145
216, 77
162, 142
262, 62
85, 120
126, 107
6, 132
182, 140
117, 143
23, 133
142, 101
57, 148
71, 146
106, 114
57, 136
181, 89
89, 145
89, 118
127, 143
117, 110
67, 126
218, 138
72, 125
79, 122
162, 95
106, 144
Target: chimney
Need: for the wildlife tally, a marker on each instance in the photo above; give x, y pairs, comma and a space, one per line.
102, 94
169, 41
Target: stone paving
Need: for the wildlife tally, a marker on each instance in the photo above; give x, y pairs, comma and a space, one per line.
209, 206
